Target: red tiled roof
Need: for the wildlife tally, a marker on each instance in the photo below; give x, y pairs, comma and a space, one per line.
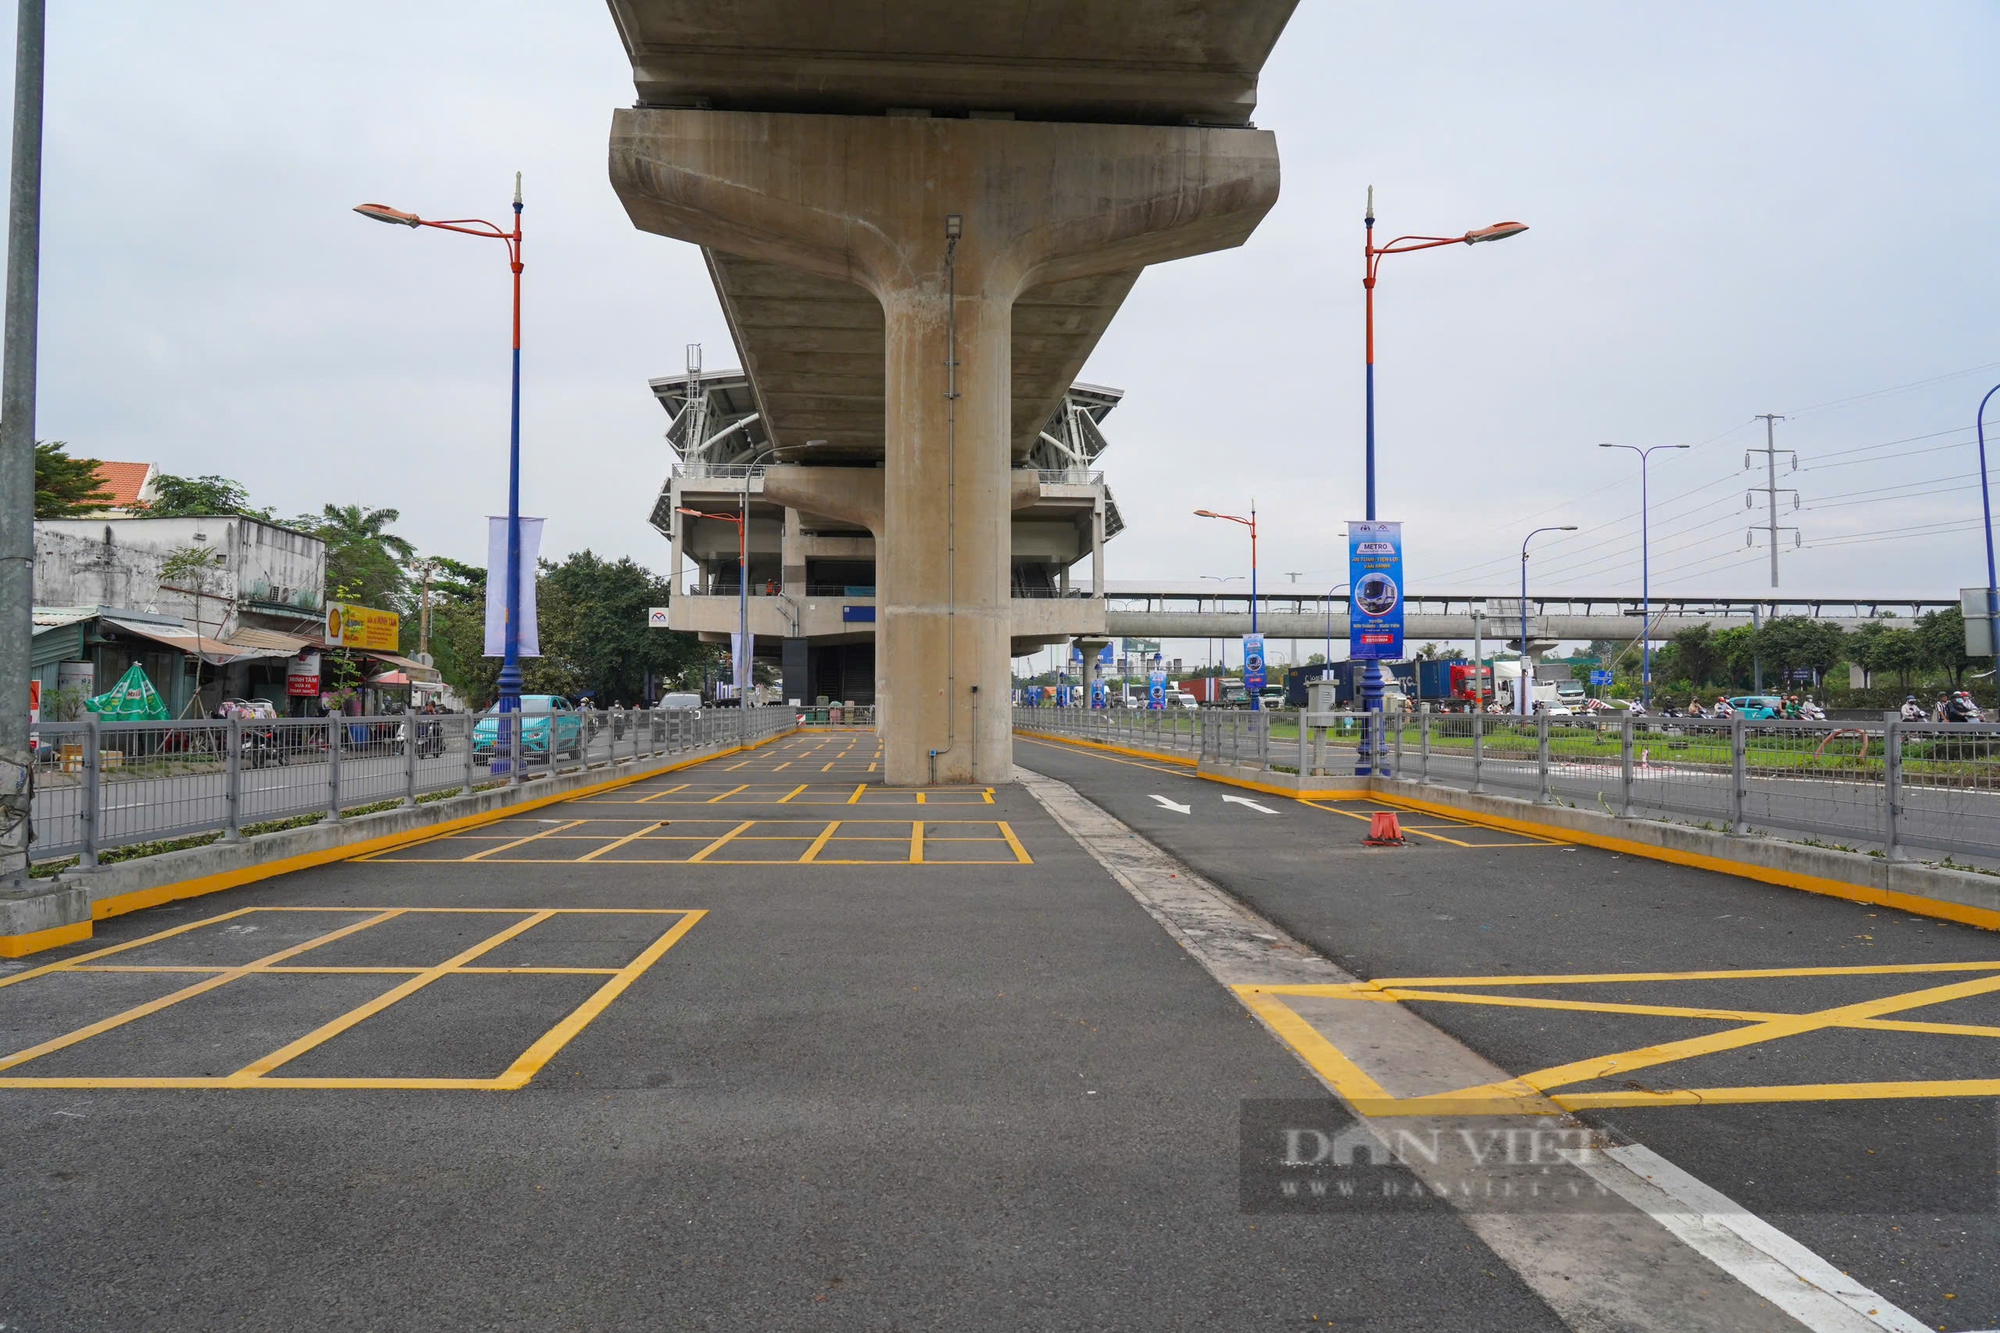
123, 480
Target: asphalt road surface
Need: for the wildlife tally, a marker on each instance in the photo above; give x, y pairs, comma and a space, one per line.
1893, 1184
755, 1044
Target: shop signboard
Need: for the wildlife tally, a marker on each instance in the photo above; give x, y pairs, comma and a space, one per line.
1375, 573
349, 626
302, 676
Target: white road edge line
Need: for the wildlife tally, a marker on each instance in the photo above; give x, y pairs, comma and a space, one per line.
1226, 937
1775, 1266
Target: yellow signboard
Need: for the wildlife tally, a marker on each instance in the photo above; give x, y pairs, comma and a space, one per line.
362, 627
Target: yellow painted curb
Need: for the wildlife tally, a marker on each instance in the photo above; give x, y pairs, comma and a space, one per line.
1185, 762
16, 946
1982, 917
1180, 759
20, 946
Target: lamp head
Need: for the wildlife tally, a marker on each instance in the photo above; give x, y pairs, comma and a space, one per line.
1567, 527
1499, 231
384, 213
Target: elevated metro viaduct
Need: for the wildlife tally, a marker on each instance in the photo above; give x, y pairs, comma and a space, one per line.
919, 219
812, 577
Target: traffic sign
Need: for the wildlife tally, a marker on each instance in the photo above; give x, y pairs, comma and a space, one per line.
1600, 678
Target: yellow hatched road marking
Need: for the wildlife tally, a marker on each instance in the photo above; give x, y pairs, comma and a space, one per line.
733, 767
917, 838
510, 846
668, 791
327, 1031
186, 992
1020, 852
721, 842
522, 1070
614, 846
856, 798
920, 798
819, 843
67, 963
787, 797
782, 767
726, 795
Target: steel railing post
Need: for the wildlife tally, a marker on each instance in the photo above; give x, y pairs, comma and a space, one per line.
1305, 741
1478, 748
1892, 787
1424, 747
470, 723
1625, 765
93, 791
333, 726
232, 768
1263, 739
1401, 722
1739, 768
412, 738
1542, 757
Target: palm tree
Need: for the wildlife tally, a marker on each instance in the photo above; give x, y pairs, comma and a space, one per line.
362, 555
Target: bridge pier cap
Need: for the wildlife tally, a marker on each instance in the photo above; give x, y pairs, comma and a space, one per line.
864, 200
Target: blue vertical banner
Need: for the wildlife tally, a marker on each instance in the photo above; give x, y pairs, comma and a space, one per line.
1375, 582
1156, 688
1253, 663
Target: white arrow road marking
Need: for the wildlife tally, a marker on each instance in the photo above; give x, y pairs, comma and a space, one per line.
1242, 800
1172, 805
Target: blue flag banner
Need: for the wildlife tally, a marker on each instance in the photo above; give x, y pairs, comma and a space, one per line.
1156, 689
1253, 663
1375, 597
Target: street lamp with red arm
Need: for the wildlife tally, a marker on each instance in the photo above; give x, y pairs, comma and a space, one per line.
1256, 703
1373, 683
509, 704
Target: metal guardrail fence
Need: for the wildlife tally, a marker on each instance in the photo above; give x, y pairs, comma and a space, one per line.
1903, 788
100, 785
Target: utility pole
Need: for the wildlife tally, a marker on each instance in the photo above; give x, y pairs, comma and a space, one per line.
17, 444
1770, 452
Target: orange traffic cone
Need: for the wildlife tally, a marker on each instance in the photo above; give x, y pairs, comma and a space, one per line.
1384, 831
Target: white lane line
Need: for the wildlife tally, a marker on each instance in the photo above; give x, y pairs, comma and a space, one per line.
1244, 800
1751, 1250
1174, 805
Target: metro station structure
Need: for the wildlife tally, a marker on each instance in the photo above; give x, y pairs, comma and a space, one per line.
918, 233
813, 576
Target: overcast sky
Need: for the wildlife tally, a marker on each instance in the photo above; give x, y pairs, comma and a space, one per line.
1735, 209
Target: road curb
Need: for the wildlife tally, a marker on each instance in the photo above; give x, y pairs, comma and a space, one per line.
61, 911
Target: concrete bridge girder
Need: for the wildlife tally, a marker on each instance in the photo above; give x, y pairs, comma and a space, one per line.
865, 200
1418, 627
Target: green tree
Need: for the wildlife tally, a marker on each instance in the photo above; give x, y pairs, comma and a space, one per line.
594, 631
1882, 648
362, 555
1942, 634
1695, 650
199, 497
65, 486
196, 570
1736, 654
1792, 643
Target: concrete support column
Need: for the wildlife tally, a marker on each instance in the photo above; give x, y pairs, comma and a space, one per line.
792, 559
942, 618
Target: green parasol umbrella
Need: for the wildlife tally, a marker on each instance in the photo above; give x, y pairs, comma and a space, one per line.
132, 699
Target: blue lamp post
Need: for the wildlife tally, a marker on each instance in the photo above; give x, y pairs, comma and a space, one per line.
1373, 683
1645, 574
1986, 507
510, 662
1521, 693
